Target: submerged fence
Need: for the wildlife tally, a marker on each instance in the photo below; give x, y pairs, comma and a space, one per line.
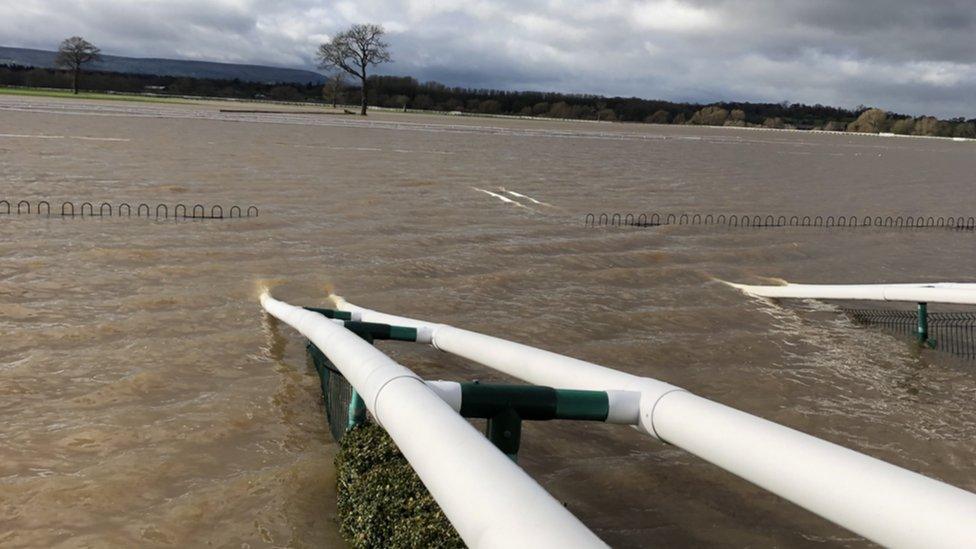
763, 221
125, 209
953, 333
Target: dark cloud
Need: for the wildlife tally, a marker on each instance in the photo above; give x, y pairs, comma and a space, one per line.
903, 55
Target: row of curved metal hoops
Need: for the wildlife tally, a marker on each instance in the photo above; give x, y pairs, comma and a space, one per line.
760, 221
124, 209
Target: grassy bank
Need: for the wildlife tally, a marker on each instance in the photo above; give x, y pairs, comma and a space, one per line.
381, 500
67, 94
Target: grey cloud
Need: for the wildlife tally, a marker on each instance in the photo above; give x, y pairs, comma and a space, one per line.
903, 55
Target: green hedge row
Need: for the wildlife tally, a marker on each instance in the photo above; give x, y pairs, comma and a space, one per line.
381, 501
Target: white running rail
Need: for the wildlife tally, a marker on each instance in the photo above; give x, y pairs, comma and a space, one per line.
490, 501
940, 292
884, 503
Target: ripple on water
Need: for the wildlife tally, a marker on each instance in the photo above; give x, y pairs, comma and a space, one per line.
147, 401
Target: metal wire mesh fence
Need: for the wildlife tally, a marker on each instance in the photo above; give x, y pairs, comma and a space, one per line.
953, 332
336, 391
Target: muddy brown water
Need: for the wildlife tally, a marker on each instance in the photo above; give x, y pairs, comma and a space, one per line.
147, 401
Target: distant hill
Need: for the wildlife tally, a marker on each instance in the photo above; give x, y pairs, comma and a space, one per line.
169, 67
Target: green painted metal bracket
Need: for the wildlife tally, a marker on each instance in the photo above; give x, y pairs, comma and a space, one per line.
330, 313
922, 333
533, 402
504, 430
373, 329
505, 406
381, 331
357, 410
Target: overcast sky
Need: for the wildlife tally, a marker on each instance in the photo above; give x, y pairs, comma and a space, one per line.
911, 56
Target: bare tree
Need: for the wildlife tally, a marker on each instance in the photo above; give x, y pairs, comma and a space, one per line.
334, 87
353, 51
73, 53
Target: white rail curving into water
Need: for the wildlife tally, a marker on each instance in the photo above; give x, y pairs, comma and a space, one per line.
490, 501
939, 292
889, 505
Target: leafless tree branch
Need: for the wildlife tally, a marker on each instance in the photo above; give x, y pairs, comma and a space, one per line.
353, 51
75, 52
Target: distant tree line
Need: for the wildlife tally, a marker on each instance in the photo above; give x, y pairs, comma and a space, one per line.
879, 121
16, 75
404, 92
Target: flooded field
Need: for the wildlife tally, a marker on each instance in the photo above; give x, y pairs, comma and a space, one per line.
147, 401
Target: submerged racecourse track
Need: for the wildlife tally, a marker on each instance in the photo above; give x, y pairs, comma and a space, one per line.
147, 400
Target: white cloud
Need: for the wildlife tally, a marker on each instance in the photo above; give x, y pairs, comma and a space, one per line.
944, 75
651, 49
671, 15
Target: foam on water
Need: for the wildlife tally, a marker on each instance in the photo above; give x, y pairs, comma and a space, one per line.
529, 198
503, 198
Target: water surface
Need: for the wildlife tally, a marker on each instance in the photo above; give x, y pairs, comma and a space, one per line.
147, 401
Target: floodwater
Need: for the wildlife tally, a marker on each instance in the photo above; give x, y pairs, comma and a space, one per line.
147, 401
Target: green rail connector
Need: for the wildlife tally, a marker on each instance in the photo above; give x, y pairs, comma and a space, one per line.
505, 406
582, 405
330, 313
373, 329
382, 331
533, 402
